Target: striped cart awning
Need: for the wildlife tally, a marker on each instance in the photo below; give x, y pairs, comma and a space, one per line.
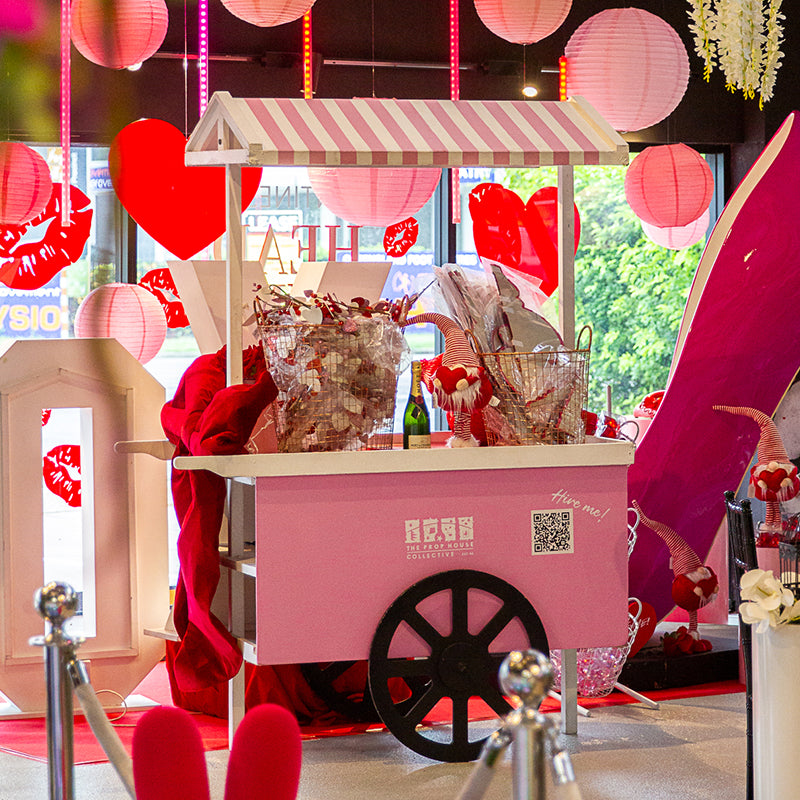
385, 132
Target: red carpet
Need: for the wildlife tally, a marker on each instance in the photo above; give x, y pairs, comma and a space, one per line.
26, 737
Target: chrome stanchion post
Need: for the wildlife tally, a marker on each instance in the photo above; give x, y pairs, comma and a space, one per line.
56, 603
528, 677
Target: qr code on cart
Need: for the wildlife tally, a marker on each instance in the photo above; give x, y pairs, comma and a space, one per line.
551, 531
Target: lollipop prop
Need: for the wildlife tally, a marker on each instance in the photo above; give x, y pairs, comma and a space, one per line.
526, 676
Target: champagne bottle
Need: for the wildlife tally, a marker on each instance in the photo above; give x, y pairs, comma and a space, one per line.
416, 421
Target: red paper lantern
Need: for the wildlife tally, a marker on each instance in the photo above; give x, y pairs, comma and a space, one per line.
125, 312
118, 34
268, 13
377, 196
630, 65
669, 185
523, 21
681, 237
25, 183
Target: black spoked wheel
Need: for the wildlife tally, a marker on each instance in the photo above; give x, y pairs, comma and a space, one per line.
343, 686
462, 662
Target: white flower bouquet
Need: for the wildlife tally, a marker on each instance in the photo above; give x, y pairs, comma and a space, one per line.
767, 603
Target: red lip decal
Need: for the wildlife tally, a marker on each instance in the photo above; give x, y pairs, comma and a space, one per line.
520, 235
46, 412
181, 207
61, 469
47, 246
160, 283
400, 237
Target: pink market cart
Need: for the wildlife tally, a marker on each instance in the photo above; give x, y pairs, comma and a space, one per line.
430, 564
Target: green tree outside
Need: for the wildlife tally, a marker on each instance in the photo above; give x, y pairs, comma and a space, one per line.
631, 291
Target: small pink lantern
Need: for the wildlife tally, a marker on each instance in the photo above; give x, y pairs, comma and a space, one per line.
25, 183
523, 21
118, 34
268, 13
630, 65
669, 185
678, 238
377, 196
125, 312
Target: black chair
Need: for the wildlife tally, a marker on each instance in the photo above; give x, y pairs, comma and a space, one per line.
743, 557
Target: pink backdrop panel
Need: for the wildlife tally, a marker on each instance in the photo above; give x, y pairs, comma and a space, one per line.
334, 551
738, 347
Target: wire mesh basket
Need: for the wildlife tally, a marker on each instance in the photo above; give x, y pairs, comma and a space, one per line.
539, 395
789, 561
336, 383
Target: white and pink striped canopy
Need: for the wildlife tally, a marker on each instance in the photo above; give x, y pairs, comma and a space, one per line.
385, 132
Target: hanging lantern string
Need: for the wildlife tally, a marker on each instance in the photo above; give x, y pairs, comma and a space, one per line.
455, 92
373, 49
66, 132
185, 72
202, 55
308, 81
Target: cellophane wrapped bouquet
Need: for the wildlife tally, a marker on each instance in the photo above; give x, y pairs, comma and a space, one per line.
336, 366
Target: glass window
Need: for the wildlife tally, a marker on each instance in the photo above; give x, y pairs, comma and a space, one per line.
630, 290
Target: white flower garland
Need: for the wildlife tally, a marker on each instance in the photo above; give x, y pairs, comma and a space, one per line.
743, 37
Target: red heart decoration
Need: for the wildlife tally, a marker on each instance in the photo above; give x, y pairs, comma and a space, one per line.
449, 378
523, 236
647, 624
182, 208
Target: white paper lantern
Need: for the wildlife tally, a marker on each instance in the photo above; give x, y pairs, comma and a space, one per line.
377, 196
125, 312
523, 21
630, 65
268, 13
118, 34
681, 237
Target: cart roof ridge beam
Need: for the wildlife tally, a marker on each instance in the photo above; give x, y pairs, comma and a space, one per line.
402, 133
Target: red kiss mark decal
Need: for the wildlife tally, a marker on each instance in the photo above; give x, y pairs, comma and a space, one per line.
31, 254
61, 469
523, 236
183, 208
160, 283
46, 412
400, 237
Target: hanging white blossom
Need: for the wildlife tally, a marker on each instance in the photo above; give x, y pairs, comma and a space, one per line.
743, 38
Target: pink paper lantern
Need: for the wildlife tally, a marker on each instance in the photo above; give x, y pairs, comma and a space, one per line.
523, 21
678, 238
125, 312
25, 183
268, 13
630, 65
377, 196
669, 185
118, 34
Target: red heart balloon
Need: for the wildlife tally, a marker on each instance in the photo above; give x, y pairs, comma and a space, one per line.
647, 624
182, 208
520, 235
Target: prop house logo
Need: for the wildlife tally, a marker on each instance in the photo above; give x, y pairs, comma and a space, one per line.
443, 537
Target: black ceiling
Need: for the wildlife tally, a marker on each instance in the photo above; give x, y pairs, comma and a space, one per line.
265, 62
